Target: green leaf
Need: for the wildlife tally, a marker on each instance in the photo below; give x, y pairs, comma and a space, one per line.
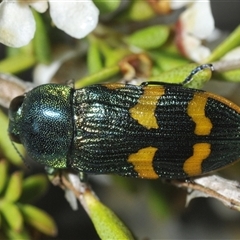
11, 234
138, 10
166, 61
41, 41
3, 174
158, 203
232, 41
27, 50
112, 56
14, 187
12, 215
33, 187
17, 63
150, 37
178, 75
94, 58
231, 76
107, 224
101, 76
6, 147
18, 59
39, 219
107, 6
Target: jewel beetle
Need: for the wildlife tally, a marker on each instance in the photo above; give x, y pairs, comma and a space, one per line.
147, 131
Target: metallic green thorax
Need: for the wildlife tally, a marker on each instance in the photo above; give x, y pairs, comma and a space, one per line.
43, 123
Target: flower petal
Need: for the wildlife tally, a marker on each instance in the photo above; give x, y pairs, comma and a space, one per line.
44, 73
178, 4
77, 18
39, 6
198, 19
192, 47
17, 25
194, 25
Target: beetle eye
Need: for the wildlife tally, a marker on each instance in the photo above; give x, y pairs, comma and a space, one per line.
14, 138
15, 104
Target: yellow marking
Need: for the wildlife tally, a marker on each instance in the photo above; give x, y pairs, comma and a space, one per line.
196, 110
114, 85
142, 162
222, 100
193, 165
144, 110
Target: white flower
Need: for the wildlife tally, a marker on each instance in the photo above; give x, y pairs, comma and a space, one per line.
17, 26
194, 25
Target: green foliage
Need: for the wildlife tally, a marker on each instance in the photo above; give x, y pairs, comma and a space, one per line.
137, 10
38, 219
6, 148
150, 37
41, 42
16, 216
231, 42
19, 60
94, 58
107, 6
107, 224
177, 75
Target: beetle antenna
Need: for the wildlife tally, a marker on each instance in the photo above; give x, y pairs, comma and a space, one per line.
20, 155
189, 78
